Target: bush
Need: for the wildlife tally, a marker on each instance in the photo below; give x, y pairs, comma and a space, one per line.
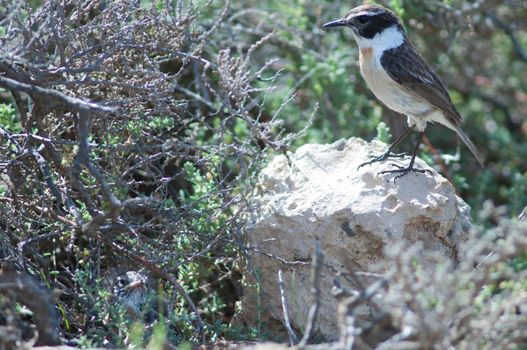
137, 139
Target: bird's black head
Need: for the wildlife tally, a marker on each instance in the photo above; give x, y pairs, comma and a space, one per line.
368, 20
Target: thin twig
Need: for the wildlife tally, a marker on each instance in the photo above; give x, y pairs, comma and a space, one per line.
438, 158
346, 311
292, 336
315, 296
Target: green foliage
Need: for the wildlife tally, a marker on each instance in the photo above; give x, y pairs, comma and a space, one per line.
159, 337
327, 81
398, 7
110, 320
383, 133
9, 118
210, 221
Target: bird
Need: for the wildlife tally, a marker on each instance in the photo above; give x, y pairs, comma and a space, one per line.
142, 303
130, 289
400, 78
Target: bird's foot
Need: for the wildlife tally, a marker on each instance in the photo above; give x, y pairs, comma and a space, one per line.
386, 155
402, 171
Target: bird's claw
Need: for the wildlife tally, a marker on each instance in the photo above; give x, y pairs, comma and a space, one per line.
386, 155
404, 171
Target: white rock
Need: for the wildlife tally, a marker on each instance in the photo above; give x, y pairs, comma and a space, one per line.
322, 199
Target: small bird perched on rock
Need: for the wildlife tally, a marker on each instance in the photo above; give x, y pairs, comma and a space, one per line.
398, 76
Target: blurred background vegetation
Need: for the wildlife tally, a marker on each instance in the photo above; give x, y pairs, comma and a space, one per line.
209, 91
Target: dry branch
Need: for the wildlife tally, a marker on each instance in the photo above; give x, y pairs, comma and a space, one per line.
26, 291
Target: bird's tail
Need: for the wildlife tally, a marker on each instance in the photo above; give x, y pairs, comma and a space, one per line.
470, 145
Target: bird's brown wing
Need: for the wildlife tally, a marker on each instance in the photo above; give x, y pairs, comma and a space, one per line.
408, 68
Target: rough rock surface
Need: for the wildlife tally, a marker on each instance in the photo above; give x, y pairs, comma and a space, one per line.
319, 198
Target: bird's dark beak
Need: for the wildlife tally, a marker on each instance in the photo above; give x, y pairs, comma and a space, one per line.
336, 23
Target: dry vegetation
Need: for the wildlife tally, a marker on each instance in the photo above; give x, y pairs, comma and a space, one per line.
139, 134
132, 134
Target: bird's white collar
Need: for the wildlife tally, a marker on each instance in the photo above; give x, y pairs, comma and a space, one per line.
389, 38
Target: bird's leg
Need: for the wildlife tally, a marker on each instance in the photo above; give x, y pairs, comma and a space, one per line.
388, 153
410, 168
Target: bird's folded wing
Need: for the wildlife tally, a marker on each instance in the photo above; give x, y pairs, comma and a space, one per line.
408, 68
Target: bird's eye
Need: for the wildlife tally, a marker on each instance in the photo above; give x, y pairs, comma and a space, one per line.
363, 19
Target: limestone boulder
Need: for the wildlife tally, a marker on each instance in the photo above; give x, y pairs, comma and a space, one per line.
318, 197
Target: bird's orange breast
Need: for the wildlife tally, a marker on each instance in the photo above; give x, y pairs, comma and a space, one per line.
367, 65
366, 55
